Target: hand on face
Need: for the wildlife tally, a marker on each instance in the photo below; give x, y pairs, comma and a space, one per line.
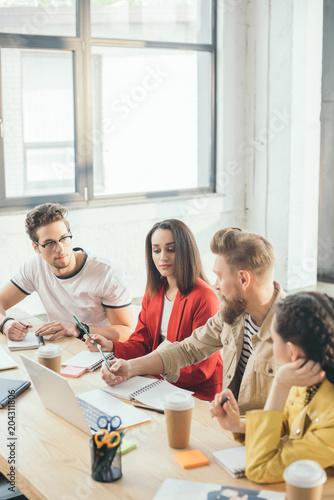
300, 373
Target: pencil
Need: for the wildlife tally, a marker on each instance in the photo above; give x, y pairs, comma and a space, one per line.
97, 345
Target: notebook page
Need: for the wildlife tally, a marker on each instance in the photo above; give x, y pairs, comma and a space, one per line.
125, 389
85, 359
29, 342
155, 395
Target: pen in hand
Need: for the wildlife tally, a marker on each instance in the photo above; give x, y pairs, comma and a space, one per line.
97, 345
224, 401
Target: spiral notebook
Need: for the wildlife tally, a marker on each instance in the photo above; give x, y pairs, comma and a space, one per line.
148, 391
233, 460
89, 360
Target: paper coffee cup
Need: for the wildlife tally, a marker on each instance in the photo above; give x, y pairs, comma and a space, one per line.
304, 480
178, 413
50, 356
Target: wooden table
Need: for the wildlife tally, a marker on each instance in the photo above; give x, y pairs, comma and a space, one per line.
53, 457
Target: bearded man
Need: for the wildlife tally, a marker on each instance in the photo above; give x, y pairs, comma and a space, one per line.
244, 266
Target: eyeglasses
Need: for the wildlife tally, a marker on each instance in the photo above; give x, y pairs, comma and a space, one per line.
51, 246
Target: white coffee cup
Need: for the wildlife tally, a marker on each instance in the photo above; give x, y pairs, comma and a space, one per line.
50, 356
178, 413
304, 480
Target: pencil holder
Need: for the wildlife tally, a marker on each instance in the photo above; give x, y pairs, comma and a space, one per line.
106, 463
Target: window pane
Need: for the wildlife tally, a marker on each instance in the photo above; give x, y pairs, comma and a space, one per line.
38, 17
38, 115
151, 120
156, 20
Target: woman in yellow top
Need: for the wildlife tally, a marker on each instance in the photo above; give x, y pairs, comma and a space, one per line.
300, 405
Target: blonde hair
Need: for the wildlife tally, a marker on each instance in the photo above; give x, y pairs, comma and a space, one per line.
243, 250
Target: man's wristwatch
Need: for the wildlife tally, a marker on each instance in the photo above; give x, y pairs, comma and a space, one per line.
82, 331
3, 324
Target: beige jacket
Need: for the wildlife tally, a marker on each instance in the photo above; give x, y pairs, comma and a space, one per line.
214, 335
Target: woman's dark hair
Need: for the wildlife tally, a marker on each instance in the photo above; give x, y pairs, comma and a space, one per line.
188, 264
307, 319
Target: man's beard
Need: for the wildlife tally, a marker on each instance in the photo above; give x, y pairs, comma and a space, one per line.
232, 309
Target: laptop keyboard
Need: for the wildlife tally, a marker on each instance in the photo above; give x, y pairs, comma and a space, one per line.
91, 413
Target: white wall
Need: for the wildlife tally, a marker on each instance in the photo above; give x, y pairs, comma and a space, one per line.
268, 162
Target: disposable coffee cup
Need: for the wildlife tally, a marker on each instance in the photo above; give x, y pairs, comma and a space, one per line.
304, 480
178, 413
50, 356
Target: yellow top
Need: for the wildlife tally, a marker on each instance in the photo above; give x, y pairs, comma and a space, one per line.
308, 431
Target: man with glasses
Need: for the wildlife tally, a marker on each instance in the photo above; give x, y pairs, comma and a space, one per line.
69, 281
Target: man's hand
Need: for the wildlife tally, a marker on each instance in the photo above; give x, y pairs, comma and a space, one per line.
58, 329
120, 369
227, 415
300, 373
16, 330
106, 345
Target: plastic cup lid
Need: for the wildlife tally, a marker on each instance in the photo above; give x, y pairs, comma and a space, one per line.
304, 474
49, 351
179, 401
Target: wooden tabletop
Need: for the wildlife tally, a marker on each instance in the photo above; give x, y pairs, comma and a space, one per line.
53, 457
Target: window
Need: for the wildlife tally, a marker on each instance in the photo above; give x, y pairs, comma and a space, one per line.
105, 99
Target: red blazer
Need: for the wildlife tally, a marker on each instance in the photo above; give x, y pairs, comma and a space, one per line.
189, 312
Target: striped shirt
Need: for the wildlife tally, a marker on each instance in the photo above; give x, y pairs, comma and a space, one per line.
247, 348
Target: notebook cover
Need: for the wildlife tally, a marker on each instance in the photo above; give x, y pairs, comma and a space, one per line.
190, 459
7, 385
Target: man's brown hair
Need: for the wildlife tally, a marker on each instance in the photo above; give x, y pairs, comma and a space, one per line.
42, 215
243, 250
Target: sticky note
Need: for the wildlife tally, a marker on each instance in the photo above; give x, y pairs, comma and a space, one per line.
190, 459
72, 371
127, 446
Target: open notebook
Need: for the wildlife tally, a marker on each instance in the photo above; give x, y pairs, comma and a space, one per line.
89, 360
148, 391
31, 341
233, 460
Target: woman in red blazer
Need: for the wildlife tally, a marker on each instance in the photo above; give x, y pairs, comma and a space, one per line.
177, 300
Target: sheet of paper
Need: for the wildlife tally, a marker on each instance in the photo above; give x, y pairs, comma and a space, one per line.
6, 361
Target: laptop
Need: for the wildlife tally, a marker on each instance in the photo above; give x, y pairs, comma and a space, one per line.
81, 411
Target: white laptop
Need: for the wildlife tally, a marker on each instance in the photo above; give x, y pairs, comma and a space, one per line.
83, 410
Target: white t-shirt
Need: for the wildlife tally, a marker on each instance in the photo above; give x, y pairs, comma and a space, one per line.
97, 284
167, 311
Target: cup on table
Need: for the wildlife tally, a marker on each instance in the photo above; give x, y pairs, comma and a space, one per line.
304, 480
50, 356
178, 413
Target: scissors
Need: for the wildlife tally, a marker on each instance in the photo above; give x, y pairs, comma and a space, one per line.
111, 424
110, 439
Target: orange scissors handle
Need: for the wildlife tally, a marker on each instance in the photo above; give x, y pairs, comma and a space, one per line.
110, 439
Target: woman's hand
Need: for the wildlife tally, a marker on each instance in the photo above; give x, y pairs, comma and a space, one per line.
227, 415
107, 345
120, 371
300, 373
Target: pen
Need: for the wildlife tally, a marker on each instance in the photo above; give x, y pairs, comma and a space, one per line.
224, 401
226, 398
98, 346
149, 409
